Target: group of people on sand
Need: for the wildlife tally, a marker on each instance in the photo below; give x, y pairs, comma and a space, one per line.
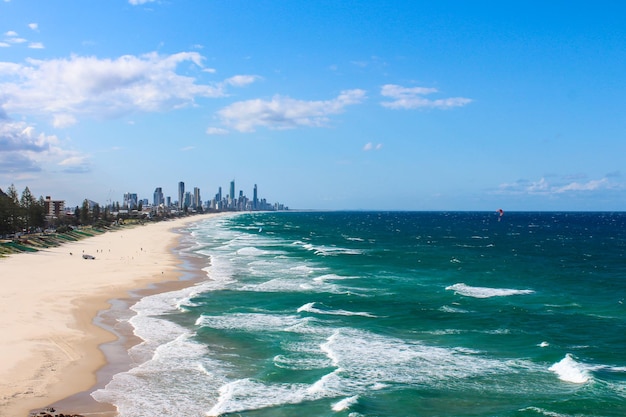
51, 412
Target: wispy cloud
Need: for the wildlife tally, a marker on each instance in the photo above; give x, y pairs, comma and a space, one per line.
75, 164
556, 186
65, 89
587, 186
241, 80
216, 131
372, 147
11, 37
414, 98
139, 2
286, 113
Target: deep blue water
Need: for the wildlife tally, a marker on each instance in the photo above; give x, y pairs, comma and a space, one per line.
389, 314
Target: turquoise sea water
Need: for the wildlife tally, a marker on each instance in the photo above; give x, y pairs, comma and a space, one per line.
388, 314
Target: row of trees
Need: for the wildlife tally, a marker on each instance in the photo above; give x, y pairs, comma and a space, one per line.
20, 213
27, 213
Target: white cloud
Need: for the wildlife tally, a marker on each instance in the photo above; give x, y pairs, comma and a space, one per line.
412, 98
36, 45
216, 131
63, 120
286, 113
138, 2
559, 186
588, 186
76, 164
540, 186
4, 45
33, 26
15, 40
370, 146
241, 80
105, 87
23, 150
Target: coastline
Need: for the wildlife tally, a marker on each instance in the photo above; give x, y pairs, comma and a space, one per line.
50, 313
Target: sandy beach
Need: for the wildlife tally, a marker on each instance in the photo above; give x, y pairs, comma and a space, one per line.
48, 302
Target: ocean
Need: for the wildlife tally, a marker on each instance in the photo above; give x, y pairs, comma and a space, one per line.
387, 314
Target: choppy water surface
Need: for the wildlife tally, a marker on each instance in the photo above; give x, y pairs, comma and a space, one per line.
389, 314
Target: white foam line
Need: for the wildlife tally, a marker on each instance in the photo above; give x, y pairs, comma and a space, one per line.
485, 292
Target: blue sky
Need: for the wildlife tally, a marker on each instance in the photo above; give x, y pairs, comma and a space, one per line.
418, 105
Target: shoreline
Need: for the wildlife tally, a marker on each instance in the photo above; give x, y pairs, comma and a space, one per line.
54, 306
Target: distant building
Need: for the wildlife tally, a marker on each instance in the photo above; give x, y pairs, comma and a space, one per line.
54, 208
232, 194
197, 201
130, 200
158, 197
181, 195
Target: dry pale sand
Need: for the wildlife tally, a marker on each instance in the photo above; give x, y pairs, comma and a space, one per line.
48, 300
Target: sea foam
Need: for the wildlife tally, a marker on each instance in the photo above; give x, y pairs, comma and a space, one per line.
346, 403
569, 370
485, 292
310, 308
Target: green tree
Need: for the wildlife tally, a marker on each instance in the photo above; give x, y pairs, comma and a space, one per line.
96, 212
77, 216
15, 212
84, 213
28, 204
7, 211
39, 213
12, 193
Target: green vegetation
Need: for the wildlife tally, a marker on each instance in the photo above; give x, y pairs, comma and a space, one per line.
25, 225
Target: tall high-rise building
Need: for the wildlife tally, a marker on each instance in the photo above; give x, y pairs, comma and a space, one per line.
231, 195
197, 200
255, 199
158, 197
181, 195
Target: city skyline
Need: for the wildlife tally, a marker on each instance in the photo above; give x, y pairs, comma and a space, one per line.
239, 201
408, 105
190, 200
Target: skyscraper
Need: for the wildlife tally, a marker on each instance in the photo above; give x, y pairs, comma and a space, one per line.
232, 194
255, 199
158, 197
197, 200
181, 195
130, 201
